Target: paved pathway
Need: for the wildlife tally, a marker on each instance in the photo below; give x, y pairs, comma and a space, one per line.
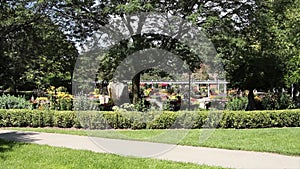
199, 155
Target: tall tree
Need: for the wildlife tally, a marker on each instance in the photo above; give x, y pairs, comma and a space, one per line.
257, 56
81, 18
291, 23
249, 35
34, 51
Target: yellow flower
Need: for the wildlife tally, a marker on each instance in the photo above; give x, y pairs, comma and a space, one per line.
41, 98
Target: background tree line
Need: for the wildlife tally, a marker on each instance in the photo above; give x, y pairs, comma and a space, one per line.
258, 41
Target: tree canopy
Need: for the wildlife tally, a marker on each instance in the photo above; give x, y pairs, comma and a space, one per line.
257, 41
258, 54
34, 51
213, 17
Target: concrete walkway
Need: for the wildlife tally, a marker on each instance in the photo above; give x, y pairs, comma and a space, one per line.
199, 155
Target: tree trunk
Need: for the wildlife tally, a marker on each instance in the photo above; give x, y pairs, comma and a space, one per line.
251, 102
295, 92
136, 88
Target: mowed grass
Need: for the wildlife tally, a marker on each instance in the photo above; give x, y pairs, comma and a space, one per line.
276, 140
24, 156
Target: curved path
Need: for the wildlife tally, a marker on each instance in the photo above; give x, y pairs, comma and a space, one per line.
199, 155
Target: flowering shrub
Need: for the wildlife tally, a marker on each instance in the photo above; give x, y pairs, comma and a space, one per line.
147, 92
41, 103
141, 106
124, 107
57, 99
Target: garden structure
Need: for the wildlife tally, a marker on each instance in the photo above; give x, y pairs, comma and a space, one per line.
196, 94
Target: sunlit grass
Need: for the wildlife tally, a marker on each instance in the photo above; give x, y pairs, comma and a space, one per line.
23, 156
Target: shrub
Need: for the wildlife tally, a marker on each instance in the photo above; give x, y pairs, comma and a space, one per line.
11, 102
277, 101
82, 103
41, 103
37, 118
237, 103
60, 99
150, 120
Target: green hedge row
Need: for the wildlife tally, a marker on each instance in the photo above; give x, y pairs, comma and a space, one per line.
149, 120
37, 118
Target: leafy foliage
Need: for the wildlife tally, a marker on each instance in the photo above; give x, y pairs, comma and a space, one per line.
237, 103
89, 16
60, 99
12, 102
37, 118
258, 41
34, 52
152, 120
258, 55
277, 101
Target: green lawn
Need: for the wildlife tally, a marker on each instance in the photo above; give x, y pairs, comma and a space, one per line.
20, 155
277, 140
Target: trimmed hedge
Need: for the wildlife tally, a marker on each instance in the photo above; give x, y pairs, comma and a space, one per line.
149, 120
37, 118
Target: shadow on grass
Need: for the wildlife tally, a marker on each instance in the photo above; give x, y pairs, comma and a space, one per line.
9, 140
6, 146
18, 136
